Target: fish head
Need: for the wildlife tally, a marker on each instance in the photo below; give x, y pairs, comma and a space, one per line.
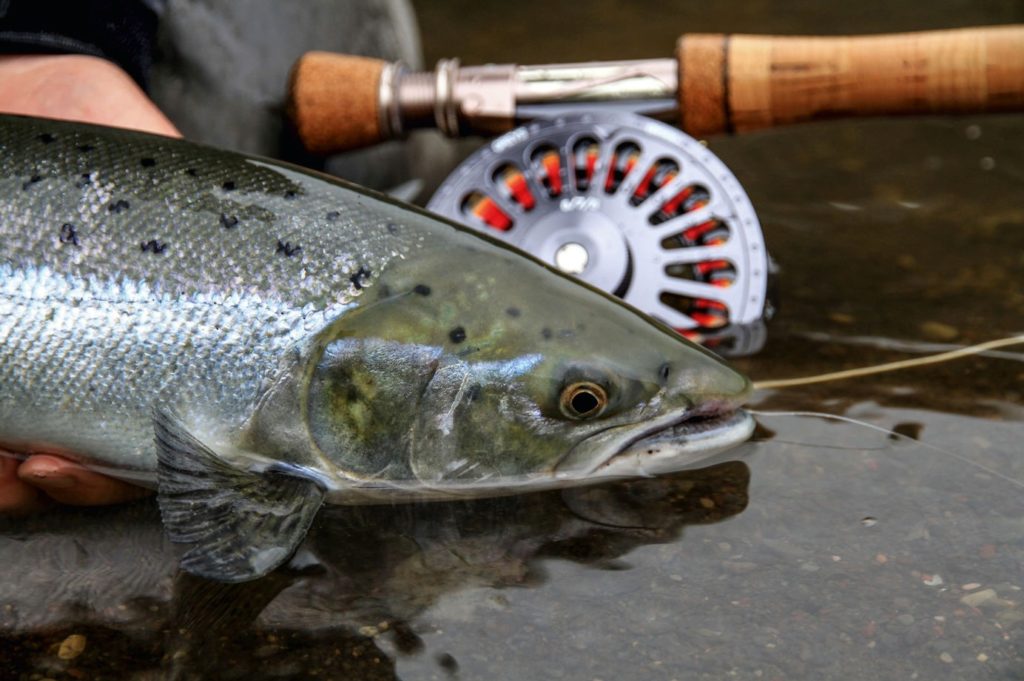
512, 377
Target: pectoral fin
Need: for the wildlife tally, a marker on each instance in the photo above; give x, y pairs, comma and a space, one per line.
241, 524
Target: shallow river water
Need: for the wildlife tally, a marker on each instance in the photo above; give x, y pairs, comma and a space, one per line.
820, 550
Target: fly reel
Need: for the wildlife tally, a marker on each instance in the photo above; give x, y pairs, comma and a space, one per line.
629, 205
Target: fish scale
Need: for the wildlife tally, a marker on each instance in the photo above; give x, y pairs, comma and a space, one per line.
259, 197
95, 330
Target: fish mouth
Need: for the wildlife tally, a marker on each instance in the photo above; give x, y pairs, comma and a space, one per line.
680, 441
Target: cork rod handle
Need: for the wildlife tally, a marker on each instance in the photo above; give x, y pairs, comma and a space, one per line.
735, 83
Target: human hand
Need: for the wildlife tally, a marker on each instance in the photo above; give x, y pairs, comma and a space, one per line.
78, 88
42, 479
92, 90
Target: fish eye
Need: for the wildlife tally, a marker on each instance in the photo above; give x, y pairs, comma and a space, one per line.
583, 400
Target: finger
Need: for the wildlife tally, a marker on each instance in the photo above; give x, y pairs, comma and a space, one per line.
70, 483
17, 496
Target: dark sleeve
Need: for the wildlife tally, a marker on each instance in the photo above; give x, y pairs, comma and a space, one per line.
123, 31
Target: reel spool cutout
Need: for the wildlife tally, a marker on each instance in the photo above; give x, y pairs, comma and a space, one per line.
629, 205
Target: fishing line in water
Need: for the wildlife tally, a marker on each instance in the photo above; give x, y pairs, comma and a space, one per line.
885, 368
892, 434
891, 366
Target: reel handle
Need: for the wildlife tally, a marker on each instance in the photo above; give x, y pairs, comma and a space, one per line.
736, 83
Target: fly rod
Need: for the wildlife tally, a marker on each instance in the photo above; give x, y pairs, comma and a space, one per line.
716, 83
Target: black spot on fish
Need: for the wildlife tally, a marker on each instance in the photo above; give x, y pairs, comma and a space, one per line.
457, 335
290, 194
546, 333
421, 289
46, 138
119, 206
513, 312
473, 394
332, 216
385, 291
228, 221
392, 228
68, 234
153, 246
287, 249
31, 181
147, 162
228, 186
663, 371
85, 148
191, 172
359, 278
84, 180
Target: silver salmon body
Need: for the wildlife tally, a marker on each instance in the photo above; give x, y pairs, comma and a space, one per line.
252, 340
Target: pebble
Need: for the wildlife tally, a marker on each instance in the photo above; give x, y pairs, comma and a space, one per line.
265, 651
970, 587
982, 657
938, 331
1009, 618
931, 580
979, 598
71, 647
905, 619
946, 657
841, 318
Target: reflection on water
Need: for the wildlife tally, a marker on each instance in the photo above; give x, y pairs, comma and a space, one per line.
350, 601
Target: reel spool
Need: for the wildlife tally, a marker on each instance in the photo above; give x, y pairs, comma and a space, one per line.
629, 205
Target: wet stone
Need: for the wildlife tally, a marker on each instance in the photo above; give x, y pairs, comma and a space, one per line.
71, 647
937, 331
841, 318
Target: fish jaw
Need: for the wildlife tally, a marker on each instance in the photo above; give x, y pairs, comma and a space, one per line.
673, 445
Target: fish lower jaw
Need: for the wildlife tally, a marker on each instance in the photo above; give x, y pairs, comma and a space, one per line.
679, 446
